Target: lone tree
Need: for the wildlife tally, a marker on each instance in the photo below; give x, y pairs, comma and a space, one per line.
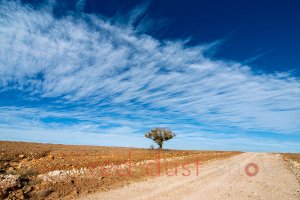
159, 135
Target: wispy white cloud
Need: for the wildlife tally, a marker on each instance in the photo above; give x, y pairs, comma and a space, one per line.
80, 5
107, 70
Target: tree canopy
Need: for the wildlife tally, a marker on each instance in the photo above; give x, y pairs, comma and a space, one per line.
159, 135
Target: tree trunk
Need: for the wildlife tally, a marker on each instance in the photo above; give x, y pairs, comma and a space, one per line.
160, 146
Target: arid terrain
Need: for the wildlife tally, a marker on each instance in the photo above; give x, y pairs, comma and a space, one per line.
48, 171
259, 176
52, 171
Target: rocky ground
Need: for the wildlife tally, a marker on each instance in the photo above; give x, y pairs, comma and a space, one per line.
247, 176
48, 171
292, 162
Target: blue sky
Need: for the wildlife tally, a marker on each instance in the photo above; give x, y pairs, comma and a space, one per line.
222, 75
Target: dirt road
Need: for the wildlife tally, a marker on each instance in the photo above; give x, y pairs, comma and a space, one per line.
266, 177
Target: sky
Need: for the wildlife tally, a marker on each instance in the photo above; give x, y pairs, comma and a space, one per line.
223, 75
